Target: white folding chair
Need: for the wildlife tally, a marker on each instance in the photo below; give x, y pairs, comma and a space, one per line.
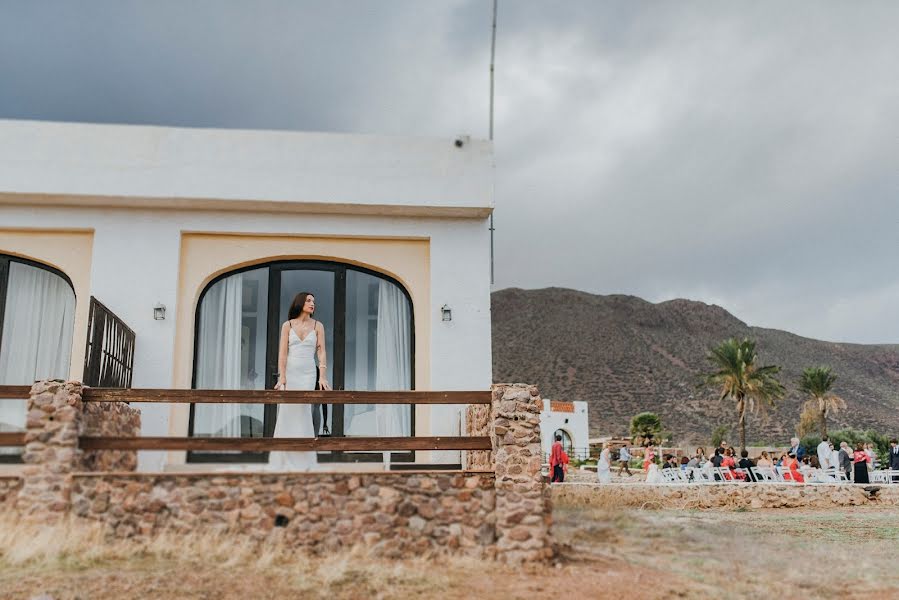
702, 476
668, 475
879, 477
726, 475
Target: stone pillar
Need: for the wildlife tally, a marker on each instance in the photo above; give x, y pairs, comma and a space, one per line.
52, 427
523, 503
56, 418
479, 418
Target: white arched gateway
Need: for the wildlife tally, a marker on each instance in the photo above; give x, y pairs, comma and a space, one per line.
368, 322
37, 312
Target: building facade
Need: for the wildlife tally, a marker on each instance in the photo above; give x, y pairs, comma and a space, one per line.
568, 420
198, 240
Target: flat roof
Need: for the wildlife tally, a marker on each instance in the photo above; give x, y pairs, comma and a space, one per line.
45, 162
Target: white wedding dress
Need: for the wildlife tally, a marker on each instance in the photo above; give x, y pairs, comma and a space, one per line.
604, 467
295, 420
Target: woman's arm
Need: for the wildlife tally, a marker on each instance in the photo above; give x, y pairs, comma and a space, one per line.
322, 356
282, 356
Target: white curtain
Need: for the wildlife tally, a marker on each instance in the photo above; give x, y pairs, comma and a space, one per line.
393, 352
38, 325
218, 356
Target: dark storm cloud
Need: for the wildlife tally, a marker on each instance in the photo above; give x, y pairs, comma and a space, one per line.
738, 154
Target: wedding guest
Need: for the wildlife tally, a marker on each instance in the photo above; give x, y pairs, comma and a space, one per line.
746, 465
558, 461
834, 457
893, 459
860, 462
764, 460
649, 457
793, 473
845, 459
869, 450
718, 458
797, 450
624, 458
824, 453
697, 460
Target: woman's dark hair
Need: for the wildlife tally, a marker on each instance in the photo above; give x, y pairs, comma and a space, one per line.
296, 307
717, 451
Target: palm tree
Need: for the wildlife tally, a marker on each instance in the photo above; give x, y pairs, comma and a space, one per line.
739, 377
817, 383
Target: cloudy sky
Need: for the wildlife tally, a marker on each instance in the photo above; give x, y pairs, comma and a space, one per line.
743, 154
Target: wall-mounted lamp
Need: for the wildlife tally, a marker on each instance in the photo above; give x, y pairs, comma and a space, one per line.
446, 313
159, 312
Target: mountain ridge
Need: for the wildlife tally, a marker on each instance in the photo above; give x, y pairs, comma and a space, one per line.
623, 354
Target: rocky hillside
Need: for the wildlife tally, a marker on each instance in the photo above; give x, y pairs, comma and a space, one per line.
624, 355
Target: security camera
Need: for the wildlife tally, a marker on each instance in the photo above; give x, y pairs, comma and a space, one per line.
459, 142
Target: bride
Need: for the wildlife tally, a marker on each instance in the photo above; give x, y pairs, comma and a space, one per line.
302, 338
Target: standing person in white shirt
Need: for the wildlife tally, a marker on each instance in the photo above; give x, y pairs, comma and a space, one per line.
834, 456
824, 453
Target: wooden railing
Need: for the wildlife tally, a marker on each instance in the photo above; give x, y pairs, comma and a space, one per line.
244, 444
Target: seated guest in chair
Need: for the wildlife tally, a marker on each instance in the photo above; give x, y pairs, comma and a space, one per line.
746, 464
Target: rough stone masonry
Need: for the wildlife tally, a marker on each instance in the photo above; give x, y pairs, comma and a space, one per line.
500, 509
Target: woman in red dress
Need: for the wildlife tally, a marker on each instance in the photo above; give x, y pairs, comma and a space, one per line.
793, 474
649, 457
558, 462
730, 462
860, 460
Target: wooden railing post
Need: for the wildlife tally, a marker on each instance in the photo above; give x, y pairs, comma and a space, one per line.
523, 504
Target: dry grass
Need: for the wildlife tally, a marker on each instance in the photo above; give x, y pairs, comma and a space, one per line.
623, 552
28, 553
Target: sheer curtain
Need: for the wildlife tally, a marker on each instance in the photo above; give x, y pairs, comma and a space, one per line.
393, 352
218, 356
38, 325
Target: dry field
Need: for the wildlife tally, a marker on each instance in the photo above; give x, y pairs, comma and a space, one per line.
603, 554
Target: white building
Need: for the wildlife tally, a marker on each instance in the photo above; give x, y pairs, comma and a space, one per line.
569, 420
222, 228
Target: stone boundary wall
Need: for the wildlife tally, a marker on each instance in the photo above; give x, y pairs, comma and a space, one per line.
55, 418
502, 511
115, 419
9, 490
728, 496
395, 513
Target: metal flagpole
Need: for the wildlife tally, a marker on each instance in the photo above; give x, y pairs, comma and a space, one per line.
492, 60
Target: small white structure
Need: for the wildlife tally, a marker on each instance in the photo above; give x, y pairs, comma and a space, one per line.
568, 419
197, 240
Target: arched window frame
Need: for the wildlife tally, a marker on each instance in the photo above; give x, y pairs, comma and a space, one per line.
5, 260
336, 358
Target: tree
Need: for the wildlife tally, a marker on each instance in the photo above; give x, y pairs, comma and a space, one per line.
739, 378
817, 383
646, 425
808, 422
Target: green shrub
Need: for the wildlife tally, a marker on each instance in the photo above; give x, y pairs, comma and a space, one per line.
852, 437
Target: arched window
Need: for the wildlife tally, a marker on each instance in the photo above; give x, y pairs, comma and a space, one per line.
37, 316
369, 334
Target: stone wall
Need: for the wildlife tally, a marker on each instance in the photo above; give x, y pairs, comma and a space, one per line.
478, 420
110, 419
729, 496
523, 503
397, 514
55, 418
501, 510
9, 490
